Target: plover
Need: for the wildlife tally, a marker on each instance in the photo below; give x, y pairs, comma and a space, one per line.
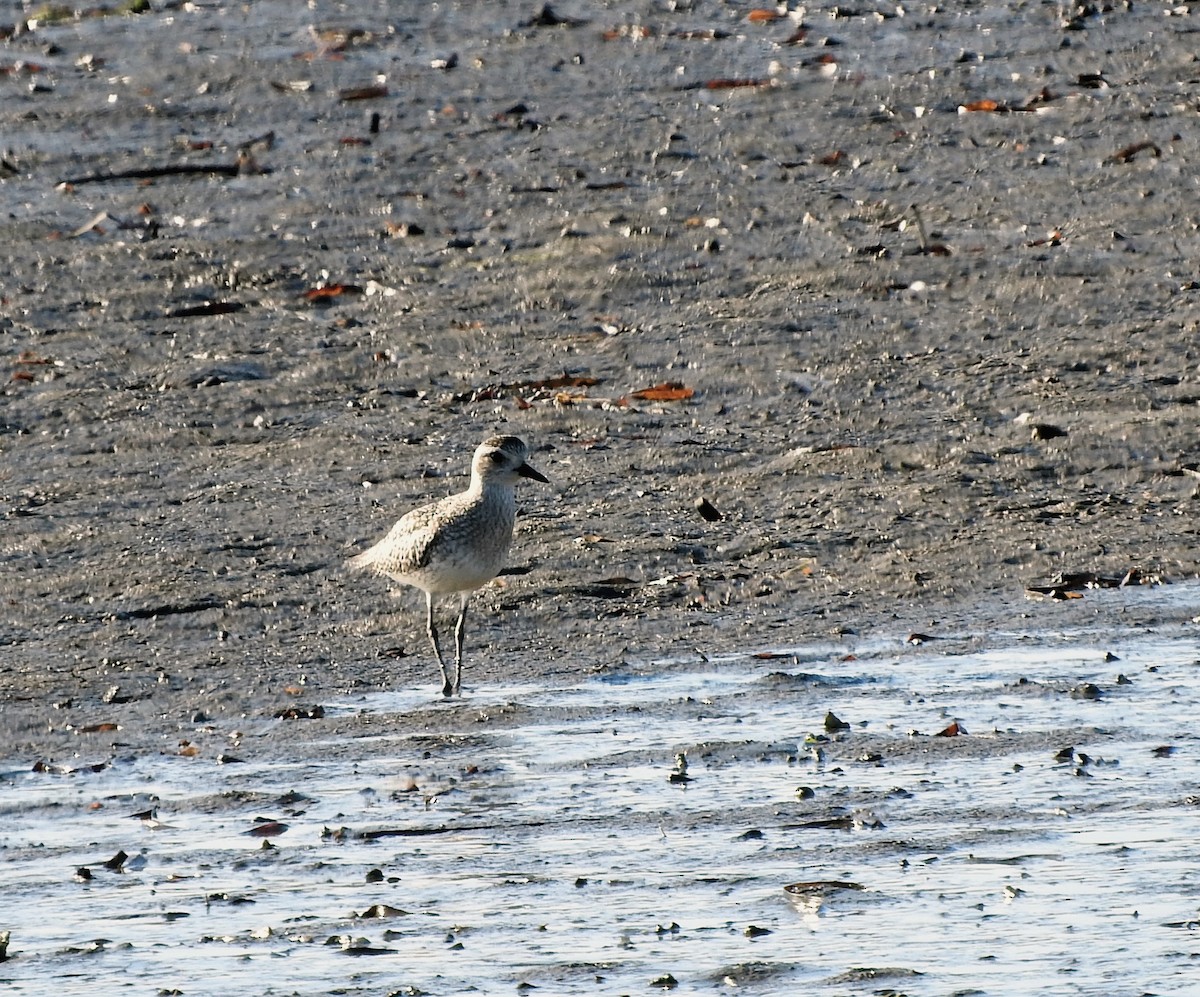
458, 543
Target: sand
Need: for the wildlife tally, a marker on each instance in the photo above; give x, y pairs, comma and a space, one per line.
931, 356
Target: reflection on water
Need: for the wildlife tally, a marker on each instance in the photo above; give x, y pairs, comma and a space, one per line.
534, 836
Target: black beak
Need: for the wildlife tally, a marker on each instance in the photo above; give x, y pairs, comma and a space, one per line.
525, 471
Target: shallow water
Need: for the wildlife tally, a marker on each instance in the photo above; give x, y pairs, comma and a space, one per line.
535, 835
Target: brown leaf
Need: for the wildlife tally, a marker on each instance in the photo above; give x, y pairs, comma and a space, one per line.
952, 731
668, 391
1126, 155
728, 83
102, 728
762, 16
986, 105
328, 292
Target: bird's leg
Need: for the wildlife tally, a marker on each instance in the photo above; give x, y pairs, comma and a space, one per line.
433, 639
458, 641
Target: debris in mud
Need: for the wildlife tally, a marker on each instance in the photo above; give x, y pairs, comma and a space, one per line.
528, 392
1041, 431
57, 768
1067, 585
820, 887
363, 93
300, 713
356, 946
206, 309
730, 83
100, 728
243, 167
754, 931
326, 294
985, 105
1126, 154
667, 982
708, 512
953, 730
680, 776
669, 391
548, 18
866, 973
824, 823
381, 911
918, 639
834, 723
608, 588
265, 827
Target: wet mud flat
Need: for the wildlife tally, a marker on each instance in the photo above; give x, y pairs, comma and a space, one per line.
857, 818
677, 251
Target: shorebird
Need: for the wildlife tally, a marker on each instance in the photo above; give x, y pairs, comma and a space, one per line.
458, 543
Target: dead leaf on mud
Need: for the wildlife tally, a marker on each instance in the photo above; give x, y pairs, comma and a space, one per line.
1127, 154
668, 391
101, 728
327, 293
954, 730
986, 106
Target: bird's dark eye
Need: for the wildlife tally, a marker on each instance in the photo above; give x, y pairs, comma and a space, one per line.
496, 457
